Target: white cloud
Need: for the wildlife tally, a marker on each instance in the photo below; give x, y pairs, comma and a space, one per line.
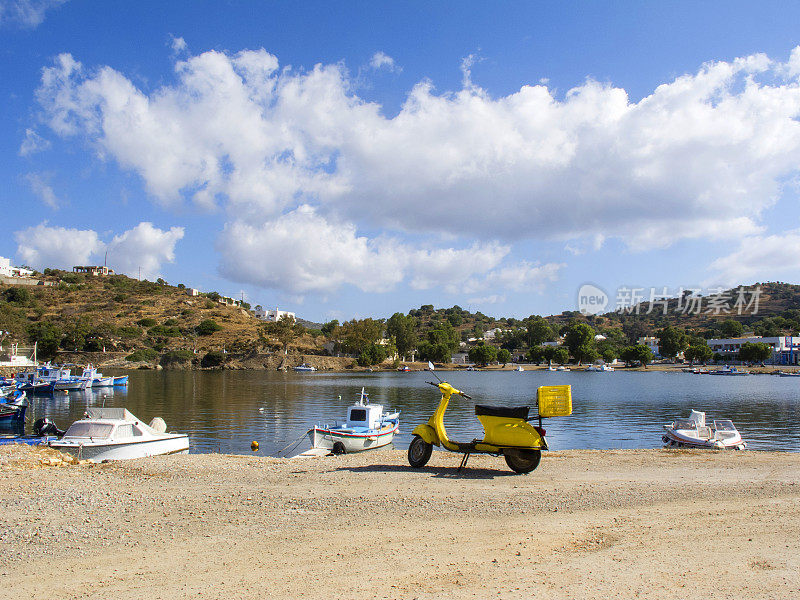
302, 252
40, 185
483, 300
178, 45
43, 246
759, 258
33, 143
144, 247
381, 60
702, 156
26, 13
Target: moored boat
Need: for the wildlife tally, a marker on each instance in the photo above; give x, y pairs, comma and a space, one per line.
12, 409
694, 433
366, 427
116, 434
304, 368
120, 380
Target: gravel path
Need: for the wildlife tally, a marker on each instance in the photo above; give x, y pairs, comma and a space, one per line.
585, 524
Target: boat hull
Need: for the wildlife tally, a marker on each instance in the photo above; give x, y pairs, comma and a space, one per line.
352, 442
674, 438
100, 452
121, 380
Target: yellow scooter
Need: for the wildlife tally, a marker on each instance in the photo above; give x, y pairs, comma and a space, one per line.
506, 430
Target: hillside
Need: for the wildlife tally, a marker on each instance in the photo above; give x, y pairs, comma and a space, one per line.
154, 322
117, 314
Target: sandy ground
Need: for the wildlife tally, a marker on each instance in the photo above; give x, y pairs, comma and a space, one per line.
586, 524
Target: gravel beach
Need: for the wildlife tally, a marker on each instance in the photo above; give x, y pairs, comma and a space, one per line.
585, 524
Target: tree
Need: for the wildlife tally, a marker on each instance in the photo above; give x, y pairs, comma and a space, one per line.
560, 355
755, 352
403, 329
444, 333
536, 354
358, 334
671, 341
538, 331
638, 353
503, 356
330, 328
285, 330
579, 338
47, 337
698, 352
731, 329
438, 352
372, 355
483, 354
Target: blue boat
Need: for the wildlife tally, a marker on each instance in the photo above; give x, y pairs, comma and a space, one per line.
12, 408
121, 380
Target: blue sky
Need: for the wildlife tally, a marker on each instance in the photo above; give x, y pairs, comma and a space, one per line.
360, 158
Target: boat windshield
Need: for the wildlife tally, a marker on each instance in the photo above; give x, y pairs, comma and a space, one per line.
724, 425
89, 430
684, 424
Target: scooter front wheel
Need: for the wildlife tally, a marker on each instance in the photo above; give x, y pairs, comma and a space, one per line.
419, 452
522, 461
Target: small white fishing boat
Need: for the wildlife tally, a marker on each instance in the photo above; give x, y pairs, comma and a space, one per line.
116, 434
519, 369
562, 368
304, 368
694, 433
365, 428
789, 374
726, 370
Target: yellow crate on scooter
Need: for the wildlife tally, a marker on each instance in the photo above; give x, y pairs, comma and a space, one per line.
554, 400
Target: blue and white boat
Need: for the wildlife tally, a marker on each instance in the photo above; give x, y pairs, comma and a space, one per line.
304, 368
366, 427
120, 380
12, 409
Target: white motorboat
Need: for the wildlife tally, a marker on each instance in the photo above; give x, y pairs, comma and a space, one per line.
519, 369
365, 428
726, 370
562, 368
304, 368
116, 434
694, 433
598, 368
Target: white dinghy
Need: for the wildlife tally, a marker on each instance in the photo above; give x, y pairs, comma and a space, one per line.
116, 434
694, 433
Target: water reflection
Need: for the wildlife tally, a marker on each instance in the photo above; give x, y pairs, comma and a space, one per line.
224, 411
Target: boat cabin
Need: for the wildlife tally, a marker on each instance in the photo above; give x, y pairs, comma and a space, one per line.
108, 424
368, 415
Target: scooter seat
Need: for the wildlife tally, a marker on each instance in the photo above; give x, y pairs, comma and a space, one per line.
511, 412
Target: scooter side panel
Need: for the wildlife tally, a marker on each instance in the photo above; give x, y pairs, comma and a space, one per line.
502, 431
427, 433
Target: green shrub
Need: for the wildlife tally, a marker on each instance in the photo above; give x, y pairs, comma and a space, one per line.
142, 355
146, 322
207, 327
213, 359
173, 357
129, 332
165, 331
71, 278
170, 322
17, 295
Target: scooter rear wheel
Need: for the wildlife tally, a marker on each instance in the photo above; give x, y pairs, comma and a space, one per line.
419, 452
522, 461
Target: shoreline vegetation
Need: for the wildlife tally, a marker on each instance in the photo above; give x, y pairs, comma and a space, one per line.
586, 524
114, 321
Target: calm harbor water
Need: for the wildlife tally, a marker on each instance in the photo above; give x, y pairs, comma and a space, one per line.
224, 411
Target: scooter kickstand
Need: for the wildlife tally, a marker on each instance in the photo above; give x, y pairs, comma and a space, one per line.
463, 461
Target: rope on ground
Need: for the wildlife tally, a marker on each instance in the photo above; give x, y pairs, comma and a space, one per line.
293, 444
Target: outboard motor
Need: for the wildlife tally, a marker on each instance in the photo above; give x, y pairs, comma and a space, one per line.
44, 426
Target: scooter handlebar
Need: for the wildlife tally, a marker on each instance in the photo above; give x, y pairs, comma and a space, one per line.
462, 394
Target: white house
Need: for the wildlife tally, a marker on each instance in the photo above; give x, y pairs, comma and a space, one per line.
7, 270
785, 349
651, 342
272, 315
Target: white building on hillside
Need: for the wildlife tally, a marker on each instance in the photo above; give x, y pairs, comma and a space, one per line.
272, 315
651, 342
7, 270
785, 349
